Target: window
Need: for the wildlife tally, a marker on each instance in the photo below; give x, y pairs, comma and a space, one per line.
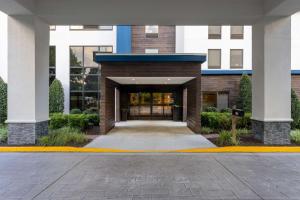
215, 99
85, 77
214, 58
90, 27
52, 28
151, 51
106, 27
237, 32
236, 58
106, 49
214, 32
151, 31
209, 99
52, 63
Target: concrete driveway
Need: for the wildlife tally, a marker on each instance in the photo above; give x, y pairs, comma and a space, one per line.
70, 176
151, 135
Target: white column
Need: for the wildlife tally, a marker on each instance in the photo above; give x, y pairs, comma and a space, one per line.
271, 99
28, 78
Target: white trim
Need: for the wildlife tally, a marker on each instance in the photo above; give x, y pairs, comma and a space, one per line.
24, 121
273, 120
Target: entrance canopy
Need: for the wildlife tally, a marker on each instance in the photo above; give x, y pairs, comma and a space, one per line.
150, 87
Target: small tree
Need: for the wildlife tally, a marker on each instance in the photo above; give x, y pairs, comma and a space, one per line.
295, 109
3, 101
56, 97
245, 96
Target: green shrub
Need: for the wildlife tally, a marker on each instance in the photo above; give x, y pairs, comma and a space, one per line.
65, 136
56, 97
295, 110
244, 122
58, 120
78, 121
210, 109
245, 94
206, 130
3, 134
93, 119
243, 132
226, 110
295, 136
216, 121
222, 121
225, 139
3, 101
90, 111
75, 111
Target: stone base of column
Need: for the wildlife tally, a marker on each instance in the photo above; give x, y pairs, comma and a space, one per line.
272, 133
26, 133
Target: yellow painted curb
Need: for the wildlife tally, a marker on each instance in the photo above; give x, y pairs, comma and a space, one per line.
235, 149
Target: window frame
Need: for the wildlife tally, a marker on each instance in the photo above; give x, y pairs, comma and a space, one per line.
214, 36
152, 49
237, 67
220, 59
52, 67
237, 36
86, 28
151, 35
84, 75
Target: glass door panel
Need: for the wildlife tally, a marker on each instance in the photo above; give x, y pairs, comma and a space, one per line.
145, 98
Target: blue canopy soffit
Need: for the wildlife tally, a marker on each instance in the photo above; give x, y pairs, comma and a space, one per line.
100, 57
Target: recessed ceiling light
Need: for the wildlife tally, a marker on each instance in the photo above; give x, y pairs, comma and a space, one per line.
133, 79
169, 79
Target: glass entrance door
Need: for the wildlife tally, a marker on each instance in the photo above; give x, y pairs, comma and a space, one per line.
146, 105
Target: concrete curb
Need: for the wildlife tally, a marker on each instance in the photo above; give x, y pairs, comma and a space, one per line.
235, 149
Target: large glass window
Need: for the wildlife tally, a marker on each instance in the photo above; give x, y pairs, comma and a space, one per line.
52, 64
236, 58
148, 104
85, 77
214, 32
237, 32
214, 58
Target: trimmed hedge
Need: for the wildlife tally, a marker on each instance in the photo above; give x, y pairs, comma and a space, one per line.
222, 121
80, 121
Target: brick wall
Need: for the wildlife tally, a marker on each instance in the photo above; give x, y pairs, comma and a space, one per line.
231, 84
165, 43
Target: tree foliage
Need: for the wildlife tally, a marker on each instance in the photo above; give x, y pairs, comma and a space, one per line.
245, 95
56, 97
3, 101
295, 109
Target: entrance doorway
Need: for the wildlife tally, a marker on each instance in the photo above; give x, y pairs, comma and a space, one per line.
150, 105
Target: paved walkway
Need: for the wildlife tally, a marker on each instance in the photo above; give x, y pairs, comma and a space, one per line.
151, 135
62, 176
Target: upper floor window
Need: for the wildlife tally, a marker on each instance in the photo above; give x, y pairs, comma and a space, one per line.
52, 28
151, 31
214, 59
214, 32
237, 32
151, 51
90, 27
236, 58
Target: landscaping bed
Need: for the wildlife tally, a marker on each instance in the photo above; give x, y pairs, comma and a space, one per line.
64, 130
216, 127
